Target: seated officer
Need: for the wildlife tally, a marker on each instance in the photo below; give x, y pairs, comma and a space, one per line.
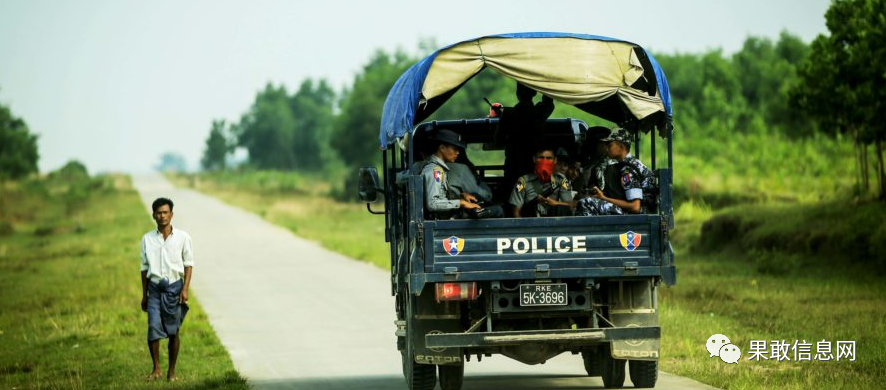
464, 182
596, 159
625, 181
542, 192
440, 198
568, 167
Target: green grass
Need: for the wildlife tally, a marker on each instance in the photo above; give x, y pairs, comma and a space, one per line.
748, 283
725, 294
304, 205
850, 231
776, 271
69, 314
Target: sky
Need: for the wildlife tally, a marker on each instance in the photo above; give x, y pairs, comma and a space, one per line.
114, 84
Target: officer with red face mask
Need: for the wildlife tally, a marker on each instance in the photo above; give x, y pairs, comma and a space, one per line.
542, 193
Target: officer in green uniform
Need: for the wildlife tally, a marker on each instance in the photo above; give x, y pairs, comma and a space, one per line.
542, 192
440, 198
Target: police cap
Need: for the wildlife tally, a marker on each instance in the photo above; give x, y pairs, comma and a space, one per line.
449, 137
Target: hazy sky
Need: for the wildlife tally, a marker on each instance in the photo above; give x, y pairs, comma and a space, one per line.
116, 83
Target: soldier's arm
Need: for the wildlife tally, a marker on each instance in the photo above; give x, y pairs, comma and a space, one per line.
516, 198
629, 206
558, 197
633, 193
545, 107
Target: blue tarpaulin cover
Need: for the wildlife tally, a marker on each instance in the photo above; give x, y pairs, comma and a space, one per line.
575, 69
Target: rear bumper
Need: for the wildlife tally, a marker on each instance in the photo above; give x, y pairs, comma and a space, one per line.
559, 336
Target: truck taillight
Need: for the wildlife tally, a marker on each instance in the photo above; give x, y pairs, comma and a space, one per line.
456, 291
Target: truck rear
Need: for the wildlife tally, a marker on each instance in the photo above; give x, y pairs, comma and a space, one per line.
526, 288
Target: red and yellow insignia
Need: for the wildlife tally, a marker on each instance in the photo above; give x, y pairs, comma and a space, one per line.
630, 240
626, 178
453, 245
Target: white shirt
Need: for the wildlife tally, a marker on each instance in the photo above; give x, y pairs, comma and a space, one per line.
166, 259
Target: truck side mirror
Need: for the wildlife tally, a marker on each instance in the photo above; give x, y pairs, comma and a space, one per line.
368, 185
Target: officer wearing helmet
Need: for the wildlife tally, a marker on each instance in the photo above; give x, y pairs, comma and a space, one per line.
625, 181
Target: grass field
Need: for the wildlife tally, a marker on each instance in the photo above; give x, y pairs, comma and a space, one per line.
69, 313
303, 205
748, 282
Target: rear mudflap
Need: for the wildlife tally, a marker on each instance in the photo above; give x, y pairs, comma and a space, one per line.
633, 304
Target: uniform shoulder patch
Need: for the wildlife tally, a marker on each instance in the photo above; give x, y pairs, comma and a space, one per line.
626, 178
521, 184
438, 174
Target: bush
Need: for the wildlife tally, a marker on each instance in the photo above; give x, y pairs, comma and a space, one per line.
6, 228
72, 172
852, 233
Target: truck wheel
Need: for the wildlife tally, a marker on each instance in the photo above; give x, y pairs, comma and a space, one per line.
451, 377
643, 373
613, 370
592, 362
418, 376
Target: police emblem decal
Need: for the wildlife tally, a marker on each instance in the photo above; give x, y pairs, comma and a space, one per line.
453, 245
438, 174
630, 240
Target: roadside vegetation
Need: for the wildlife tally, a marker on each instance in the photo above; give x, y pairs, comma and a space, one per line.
779, 190
69, 313
753, 269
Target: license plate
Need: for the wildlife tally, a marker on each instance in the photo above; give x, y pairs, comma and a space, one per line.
543, 294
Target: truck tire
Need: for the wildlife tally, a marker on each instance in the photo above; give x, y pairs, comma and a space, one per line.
451, 377
613, 370
644, 374
418, 376
592, 362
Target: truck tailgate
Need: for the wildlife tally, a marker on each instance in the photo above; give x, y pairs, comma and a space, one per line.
552, 243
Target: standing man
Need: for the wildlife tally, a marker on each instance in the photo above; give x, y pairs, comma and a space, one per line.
166, 262
522, 126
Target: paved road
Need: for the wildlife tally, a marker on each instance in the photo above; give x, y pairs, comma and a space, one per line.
296, 316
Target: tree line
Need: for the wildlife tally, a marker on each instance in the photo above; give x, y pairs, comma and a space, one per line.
18, 147
782, 86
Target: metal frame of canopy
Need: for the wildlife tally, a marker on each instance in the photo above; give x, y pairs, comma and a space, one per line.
406, 97
613, 79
